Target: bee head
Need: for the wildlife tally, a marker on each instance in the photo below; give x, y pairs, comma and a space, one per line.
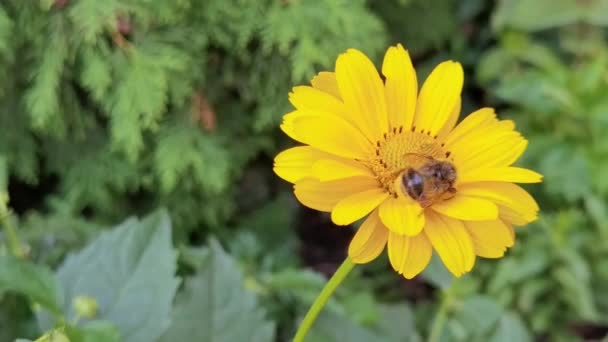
444, 171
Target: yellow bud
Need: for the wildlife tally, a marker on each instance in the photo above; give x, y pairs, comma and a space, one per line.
85, 306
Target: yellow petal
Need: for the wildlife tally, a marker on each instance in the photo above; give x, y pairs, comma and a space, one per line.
481, 141
296, 163
486, 151
357, 206
510, 216
503, 194
363, 93
323, 196
452, 119
490, 238
332, 169
402, 216
452, 242
304, 97
472, 122
438, 97
409, 255
287, 125
369, 241
326, 81
467, 208
400, 87
500, 174
331, 134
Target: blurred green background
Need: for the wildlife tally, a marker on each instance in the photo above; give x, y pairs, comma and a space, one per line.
120, 108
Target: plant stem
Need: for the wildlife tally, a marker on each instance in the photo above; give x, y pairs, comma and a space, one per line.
11, 234
442, 315
322, 299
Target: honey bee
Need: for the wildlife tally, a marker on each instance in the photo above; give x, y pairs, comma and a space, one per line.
428, 179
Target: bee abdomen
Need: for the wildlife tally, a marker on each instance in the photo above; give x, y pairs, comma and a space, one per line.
413, 182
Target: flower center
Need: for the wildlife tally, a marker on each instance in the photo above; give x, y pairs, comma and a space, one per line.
402, 149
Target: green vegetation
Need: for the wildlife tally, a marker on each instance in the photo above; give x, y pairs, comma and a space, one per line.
138, 202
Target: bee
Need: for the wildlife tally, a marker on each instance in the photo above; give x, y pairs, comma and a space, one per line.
428, 179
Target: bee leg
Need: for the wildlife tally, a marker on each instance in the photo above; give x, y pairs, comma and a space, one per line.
451, 193
425, 202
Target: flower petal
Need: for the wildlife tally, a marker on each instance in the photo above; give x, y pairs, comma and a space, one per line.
332, 169
332, 134
452, 242
409, 255
356, 206
363, 93
471, 123
467, 208
402, 216
500, 174
296, 163
324, 196
369, 241
287, 125
400, 87
452, 119
304, 97
507, 195
326, 81
439, 96
482, 141
490, 238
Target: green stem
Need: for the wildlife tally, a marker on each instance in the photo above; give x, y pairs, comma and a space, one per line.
322, 299
442, 315
11, 235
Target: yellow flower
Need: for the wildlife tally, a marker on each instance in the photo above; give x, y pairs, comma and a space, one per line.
390, 152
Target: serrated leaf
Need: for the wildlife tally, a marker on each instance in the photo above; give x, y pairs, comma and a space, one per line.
215, 306
34, 281
129, 271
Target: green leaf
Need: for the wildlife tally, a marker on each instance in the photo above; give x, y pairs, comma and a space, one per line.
397, 323
332, 327
91, 17
437, 274
96, 331
534, 15
215, 306
129, 271
34, 281
478, 314
511, 328
42, 98
6, 26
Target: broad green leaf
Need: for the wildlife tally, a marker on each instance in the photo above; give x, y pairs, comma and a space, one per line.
130, 272
397, 323
34, 281
511, 328
437, 274
332, 327
215, 306
478, 314
96, 331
